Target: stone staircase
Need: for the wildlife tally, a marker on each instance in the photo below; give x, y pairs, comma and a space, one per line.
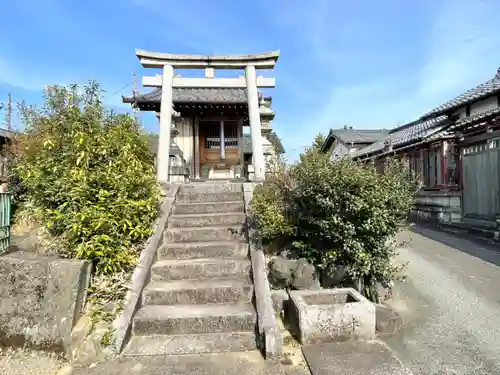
199, 298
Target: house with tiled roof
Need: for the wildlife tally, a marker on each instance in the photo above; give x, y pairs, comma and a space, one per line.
346, 141
454, 150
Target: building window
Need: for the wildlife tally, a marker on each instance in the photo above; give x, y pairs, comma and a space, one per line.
431, 167
452, 165
415, 165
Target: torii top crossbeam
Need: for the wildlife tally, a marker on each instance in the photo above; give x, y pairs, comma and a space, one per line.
265, 60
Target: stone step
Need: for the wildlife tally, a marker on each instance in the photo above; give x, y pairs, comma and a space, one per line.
220, 187
196, 234
207, 208
206, 220
184, 319
200, 269
202, 250
194, 197
186, 292
190, 344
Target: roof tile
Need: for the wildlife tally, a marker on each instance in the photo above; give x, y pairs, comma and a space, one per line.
194, 95
359, 135
487, 88
408, 133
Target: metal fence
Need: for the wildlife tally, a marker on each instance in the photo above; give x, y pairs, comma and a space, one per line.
5, 221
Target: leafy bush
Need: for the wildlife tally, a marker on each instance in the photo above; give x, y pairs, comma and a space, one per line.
88, 177
337, 213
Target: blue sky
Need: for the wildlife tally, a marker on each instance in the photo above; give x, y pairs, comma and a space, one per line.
364, 63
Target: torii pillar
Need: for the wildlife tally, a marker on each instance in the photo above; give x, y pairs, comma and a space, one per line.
168, 62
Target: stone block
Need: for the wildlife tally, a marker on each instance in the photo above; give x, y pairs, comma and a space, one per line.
195, 197
191, 344
331, 315
202, 250
41, 299
200, 269
182, 319
186, 292
236, 233
207, 220
220, 187
207, 208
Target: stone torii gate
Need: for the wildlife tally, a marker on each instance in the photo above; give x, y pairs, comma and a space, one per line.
168, 62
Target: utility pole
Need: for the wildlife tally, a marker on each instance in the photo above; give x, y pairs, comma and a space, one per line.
135, 91
8, 117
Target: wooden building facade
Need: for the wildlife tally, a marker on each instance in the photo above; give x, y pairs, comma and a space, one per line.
454, 153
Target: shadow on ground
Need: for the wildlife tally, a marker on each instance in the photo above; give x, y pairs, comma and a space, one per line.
465, 243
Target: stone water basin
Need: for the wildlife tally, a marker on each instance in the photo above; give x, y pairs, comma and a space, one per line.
329, 315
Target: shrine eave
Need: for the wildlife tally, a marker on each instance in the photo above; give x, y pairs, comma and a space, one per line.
150, 59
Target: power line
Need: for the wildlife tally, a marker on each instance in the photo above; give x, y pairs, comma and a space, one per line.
123, 88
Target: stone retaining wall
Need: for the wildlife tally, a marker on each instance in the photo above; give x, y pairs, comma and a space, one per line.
41, 299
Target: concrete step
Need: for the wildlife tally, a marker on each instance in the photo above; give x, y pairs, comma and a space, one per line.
190, 344
195, 234
186, 292
203, 250
248, 362
195, 197
219, 187
200, 269
183, 319
207, 208
206, 220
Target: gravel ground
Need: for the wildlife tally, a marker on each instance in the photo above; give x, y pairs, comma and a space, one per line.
450, 304
29, 362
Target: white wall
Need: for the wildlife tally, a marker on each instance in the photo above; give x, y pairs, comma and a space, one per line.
185, 141
484, 105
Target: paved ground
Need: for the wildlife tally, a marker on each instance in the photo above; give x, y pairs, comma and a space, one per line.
451, 305
30, 362
356, 358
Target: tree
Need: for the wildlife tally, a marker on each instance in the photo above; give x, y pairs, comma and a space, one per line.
337, 213
87, 176
318, 142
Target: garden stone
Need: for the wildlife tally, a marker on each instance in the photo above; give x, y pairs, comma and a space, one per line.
304, 276
388, 321
280, 272
333, 277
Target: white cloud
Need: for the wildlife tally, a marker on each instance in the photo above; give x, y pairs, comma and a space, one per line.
461, 49
25, 78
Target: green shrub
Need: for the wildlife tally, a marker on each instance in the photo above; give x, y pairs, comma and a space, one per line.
338, 213
88, 176
268, 204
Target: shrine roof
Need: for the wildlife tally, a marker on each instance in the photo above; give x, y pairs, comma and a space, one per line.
479, 92
406, 134
192, 95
